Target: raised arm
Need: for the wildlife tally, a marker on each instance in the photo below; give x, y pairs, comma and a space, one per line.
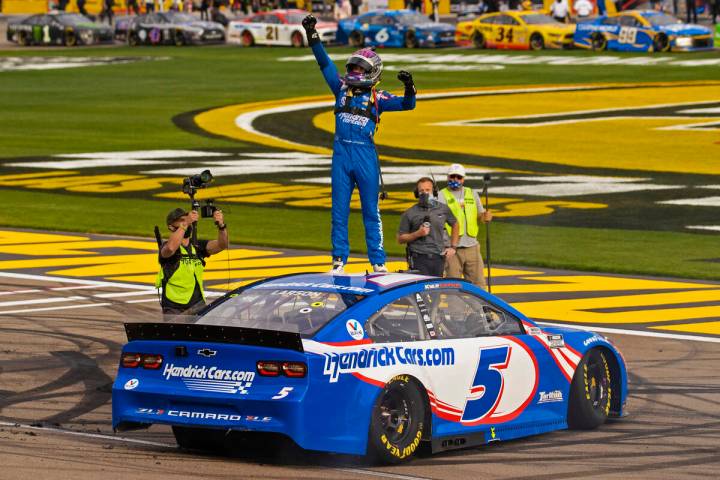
327, 67
392, 103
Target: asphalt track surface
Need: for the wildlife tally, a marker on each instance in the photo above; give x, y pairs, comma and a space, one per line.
58, 359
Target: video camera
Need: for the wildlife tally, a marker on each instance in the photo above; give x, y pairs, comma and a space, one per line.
193, 182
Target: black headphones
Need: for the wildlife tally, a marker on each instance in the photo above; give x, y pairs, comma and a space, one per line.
425, 179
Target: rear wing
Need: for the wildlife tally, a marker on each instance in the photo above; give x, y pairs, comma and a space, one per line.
214, 334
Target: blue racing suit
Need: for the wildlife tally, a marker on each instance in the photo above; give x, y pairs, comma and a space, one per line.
355, 160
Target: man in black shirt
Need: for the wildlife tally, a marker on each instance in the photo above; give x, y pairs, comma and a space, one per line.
421, 228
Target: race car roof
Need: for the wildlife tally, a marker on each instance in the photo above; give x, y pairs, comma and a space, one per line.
359, 284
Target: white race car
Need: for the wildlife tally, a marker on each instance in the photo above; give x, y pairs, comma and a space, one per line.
277, 27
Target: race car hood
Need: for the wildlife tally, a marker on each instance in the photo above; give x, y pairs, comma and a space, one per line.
203, 25
684, 29
433, 27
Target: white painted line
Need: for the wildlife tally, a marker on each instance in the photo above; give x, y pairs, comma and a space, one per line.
80, 287
48, 278
89, 435
373, 473
15, 292
39, 301
49, 309
124, 294
148, 300
637, 333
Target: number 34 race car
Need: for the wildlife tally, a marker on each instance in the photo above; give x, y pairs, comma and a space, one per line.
378, 364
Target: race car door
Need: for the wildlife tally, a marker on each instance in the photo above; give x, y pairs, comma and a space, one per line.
631, 36
383, 31
274, 30
506, 31
497, 376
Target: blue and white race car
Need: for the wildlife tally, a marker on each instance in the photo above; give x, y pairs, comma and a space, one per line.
365, 364
642, 31
394, 28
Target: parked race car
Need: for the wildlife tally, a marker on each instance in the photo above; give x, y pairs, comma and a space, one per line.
642, 31
67, 29
364, 364
171, 28
277, 27
521, 30
394, 28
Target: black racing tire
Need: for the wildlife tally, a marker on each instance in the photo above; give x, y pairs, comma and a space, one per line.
195, 438
69, 38
411, 40
537, 42
179, 38
356, 39
661, 43
22, 39
591, 391
598, 42
247, 39
296, 40
478, 40
398, 422
133, 39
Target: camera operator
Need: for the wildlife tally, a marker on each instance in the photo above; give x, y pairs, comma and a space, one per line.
182, 264
421, 228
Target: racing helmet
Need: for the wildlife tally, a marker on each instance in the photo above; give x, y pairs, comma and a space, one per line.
370, 66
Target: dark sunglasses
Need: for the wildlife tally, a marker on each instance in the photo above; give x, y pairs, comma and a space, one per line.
455, 177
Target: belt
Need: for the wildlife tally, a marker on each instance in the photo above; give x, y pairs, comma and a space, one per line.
426, 255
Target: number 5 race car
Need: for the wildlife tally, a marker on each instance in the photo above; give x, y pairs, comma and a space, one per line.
378, 364
642, 31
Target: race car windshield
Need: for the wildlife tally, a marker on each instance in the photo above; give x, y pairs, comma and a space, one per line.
181, 18
296, 311
295, 18
73, 19
412, 19
662, 20
538, 19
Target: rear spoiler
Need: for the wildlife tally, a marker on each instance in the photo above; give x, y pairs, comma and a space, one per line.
215, 334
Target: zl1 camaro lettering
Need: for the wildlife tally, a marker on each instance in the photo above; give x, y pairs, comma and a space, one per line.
337, 363
211, 379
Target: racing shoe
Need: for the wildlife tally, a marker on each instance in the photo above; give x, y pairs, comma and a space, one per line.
380, 268
337, 266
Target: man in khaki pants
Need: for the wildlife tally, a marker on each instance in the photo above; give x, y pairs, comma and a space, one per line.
467, 208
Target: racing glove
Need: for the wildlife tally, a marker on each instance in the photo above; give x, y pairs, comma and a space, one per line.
308, 24
406, 78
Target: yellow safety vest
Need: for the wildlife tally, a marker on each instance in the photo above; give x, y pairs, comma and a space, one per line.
180, 286
466, 216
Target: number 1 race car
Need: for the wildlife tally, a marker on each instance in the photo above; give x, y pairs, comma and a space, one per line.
521, 30
277, 27
67, 29
374, 364
394, 28
642, 31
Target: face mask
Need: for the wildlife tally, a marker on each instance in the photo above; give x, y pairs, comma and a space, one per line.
454, 184
188, 232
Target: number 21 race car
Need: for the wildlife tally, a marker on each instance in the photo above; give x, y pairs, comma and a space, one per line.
377, 364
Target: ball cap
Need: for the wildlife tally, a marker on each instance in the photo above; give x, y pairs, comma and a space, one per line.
175, 214
456, 169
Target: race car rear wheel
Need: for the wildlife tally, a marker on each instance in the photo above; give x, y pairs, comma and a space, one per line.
537, 42
661, 43
296, 40
247, 39
356, 39
598, 42
398, 422
411, 40
591, 391
23, 39
133, 39
70, 39
194, 438
478, 40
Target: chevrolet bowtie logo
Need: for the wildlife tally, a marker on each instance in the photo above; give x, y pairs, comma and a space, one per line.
206, 352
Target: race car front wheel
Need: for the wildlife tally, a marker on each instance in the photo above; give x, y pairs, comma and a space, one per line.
70, 39
356, 39
398, 422
179, 38
590, 391
411, 40
598, 42
661, 43
296, 40
193, 438
478, 40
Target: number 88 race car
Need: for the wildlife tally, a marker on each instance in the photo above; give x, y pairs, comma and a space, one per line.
365, 364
